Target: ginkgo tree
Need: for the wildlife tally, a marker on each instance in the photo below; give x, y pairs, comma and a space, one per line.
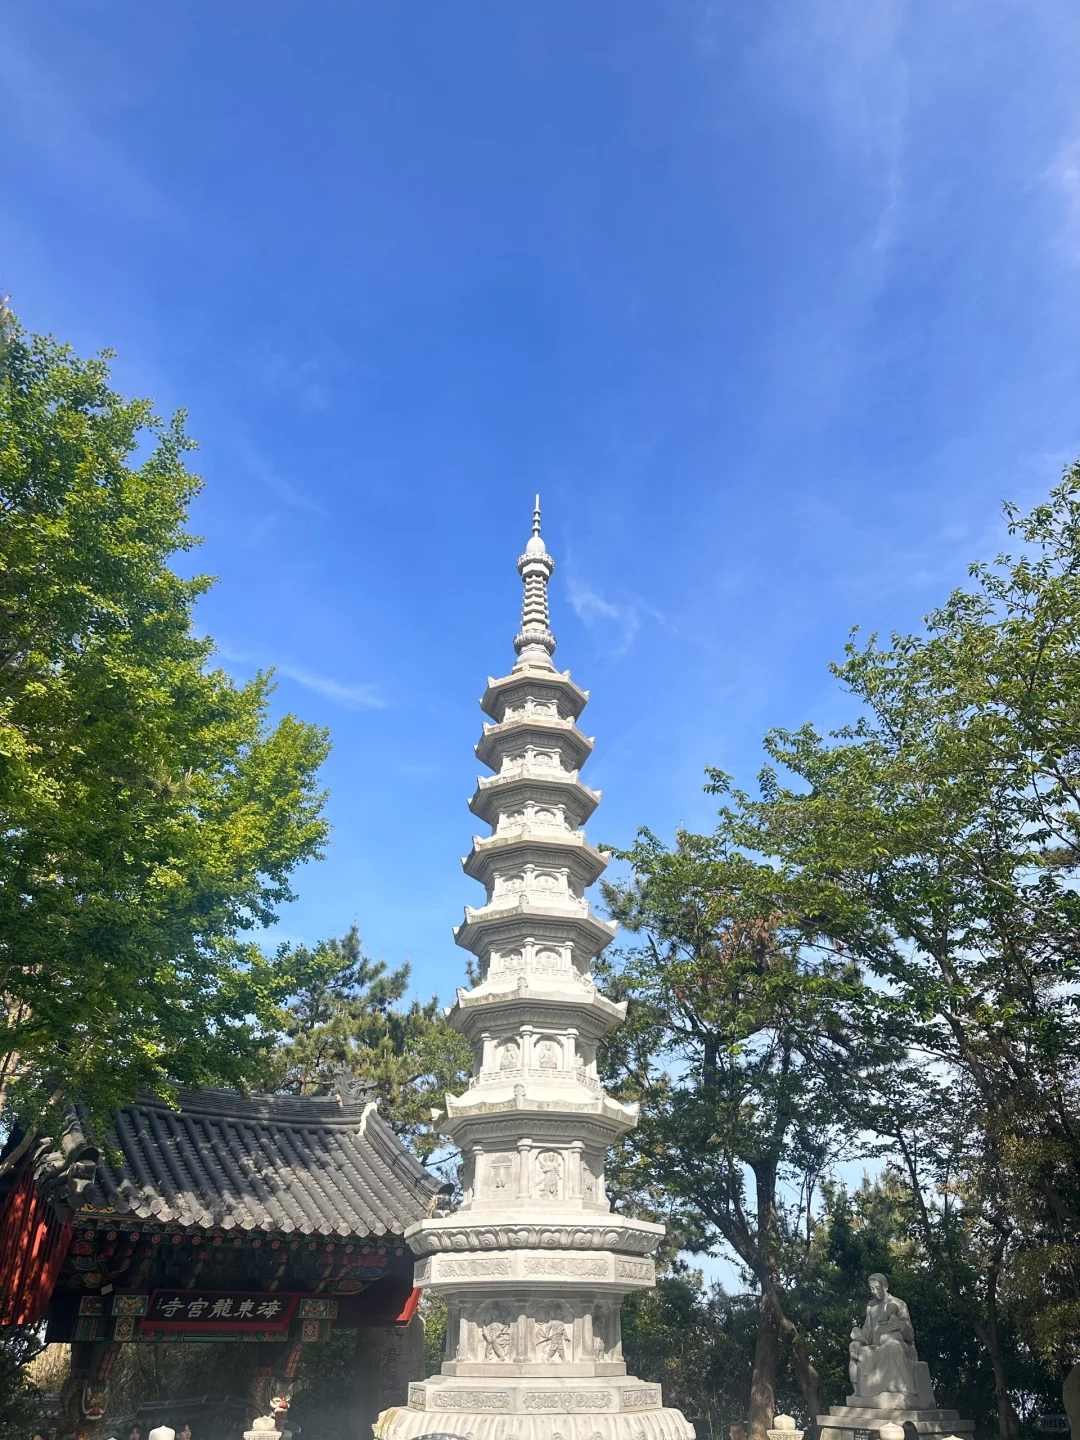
151, 814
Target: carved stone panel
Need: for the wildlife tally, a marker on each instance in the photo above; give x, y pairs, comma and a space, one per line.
548, 1054
567, 1400
510, 1055
471, 1399
484, 1265
547, 961
634, 1269
549, 1165
495, 1333
500, 1176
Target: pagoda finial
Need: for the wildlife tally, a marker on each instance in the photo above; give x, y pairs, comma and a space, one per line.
535, 643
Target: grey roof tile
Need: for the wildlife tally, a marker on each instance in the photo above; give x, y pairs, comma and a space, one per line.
310, 1165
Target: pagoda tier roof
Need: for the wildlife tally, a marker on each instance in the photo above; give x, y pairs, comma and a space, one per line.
537, 730
489, 924
496, 793
534, 679
537, 847
306, 1165
542, 1002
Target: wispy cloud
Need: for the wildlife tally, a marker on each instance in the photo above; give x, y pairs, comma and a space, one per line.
598, 614
62, 105
1064, 176
264, 471
356, 697
306, 382
841, 66
352, 694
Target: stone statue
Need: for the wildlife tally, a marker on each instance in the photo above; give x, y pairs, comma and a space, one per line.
548, 1055
496, 1335
882, 1349
550, 1174
552, 1336
510, 1056
894, 1395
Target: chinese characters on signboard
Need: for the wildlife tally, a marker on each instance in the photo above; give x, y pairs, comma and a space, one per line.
219, 1310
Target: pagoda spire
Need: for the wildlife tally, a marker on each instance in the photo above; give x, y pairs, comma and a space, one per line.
534, 643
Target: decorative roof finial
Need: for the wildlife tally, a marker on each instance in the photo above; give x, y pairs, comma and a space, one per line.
535, 643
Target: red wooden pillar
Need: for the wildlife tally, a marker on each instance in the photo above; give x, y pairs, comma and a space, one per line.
33, 1245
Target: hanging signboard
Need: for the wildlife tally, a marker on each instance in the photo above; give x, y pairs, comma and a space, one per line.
211, 1311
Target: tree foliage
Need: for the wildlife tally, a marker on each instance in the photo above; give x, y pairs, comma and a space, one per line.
346, 1019
926, 858
151, 816
740, 1042
21, 1404
943, 830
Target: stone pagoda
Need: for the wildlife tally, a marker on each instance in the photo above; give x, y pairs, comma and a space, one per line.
533, 1264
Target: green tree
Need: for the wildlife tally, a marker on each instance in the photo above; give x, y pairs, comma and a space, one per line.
347, 1019
942, 833
21, 1407
878, 1227
699, 1344
933, 848
151, 816
740, 1045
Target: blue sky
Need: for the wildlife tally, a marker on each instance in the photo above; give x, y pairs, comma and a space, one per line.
774, 303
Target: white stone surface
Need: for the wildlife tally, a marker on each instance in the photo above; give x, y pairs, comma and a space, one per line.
891, 1384
534, 1264
784, 1429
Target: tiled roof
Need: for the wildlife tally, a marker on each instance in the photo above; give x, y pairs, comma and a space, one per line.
266, 1162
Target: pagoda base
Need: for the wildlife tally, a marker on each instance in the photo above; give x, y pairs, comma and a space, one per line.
535, 1408
845, 1422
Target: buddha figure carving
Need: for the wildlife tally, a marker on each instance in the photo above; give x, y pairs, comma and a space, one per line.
510, 1056
548, 1055
884, 1364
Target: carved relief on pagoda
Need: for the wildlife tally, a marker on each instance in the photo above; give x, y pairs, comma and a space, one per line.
546, 960
508, 1055
491, 1334
501, 1177
530, 707
540, 885
550, 1176
541, 1054
538, 1329
531, 958
547, 1174
531, 817
534, 760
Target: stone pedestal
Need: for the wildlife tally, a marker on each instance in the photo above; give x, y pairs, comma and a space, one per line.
534, 1265
784, 1429
844, 1422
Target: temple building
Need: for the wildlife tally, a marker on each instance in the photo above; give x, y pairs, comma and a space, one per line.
262, 1222
534, 1264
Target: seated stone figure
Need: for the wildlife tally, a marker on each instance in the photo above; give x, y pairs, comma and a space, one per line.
885, 1369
